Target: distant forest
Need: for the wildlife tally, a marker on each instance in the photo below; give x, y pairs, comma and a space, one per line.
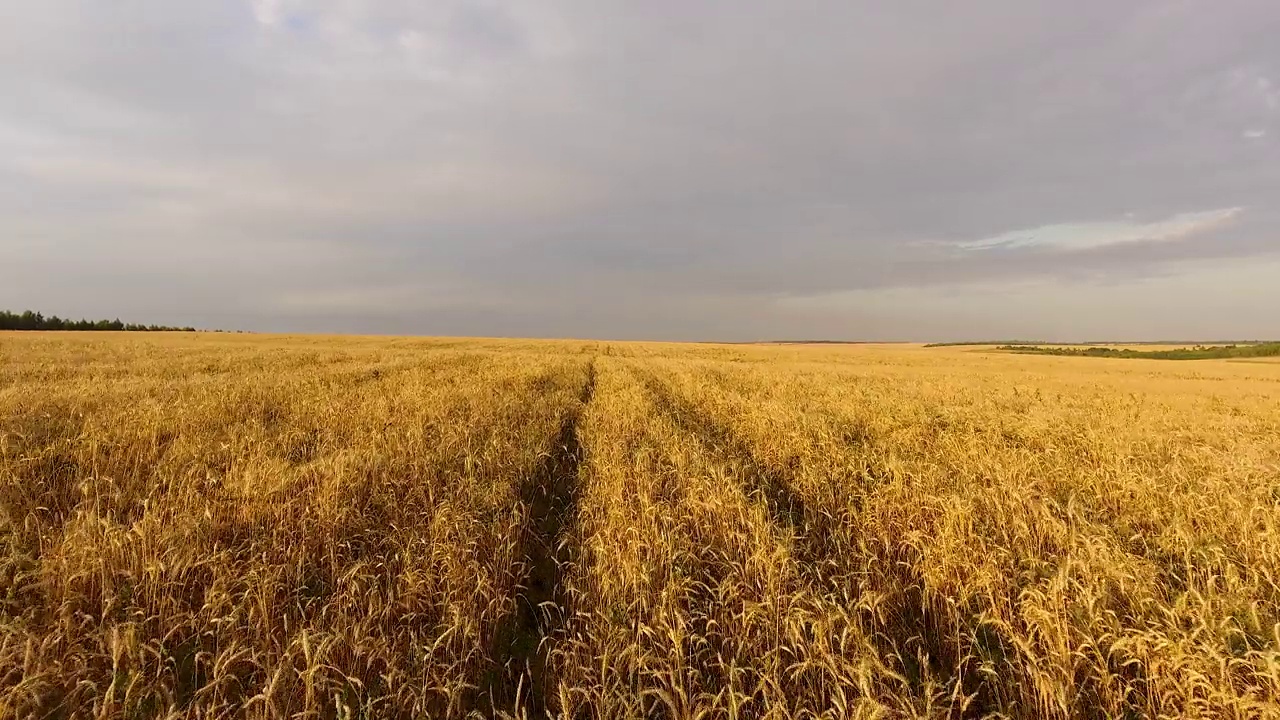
29, 320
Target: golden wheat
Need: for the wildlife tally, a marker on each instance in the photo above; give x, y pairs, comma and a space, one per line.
267, 527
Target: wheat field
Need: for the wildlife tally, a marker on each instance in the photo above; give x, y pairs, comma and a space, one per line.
219, 526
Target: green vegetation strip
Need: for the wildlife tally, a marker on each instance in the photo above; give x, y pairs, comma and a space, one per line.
1198, 352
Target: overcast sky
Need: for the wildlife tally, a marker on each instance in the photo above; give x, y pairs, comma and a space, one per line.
661, 169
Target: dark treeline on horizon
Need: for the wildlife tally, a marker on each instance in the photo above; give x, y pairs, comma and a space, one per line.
29, 320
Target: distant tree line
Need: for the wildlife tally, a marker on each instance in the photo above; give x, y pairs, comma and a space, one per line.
29, 320
1007, 343
1198, 352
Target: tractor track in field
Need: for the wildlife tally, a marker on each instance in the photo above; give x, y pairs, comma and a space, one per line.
807, 531
523, 644
785, 507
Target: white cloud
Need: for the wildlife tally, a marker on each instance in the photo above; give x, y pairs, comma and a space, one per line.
1086, 236
1250, 86
1253, 134
266, 12
1269, 92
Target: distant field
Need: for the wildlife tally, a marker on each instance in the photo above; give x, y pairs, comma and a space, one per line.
254, 526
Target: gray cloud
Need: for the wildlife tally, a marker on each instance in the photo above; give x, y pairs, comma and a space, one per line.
657, 170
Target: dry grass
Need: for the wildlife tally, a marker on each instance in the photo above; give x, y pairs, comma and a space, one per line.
243, 526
